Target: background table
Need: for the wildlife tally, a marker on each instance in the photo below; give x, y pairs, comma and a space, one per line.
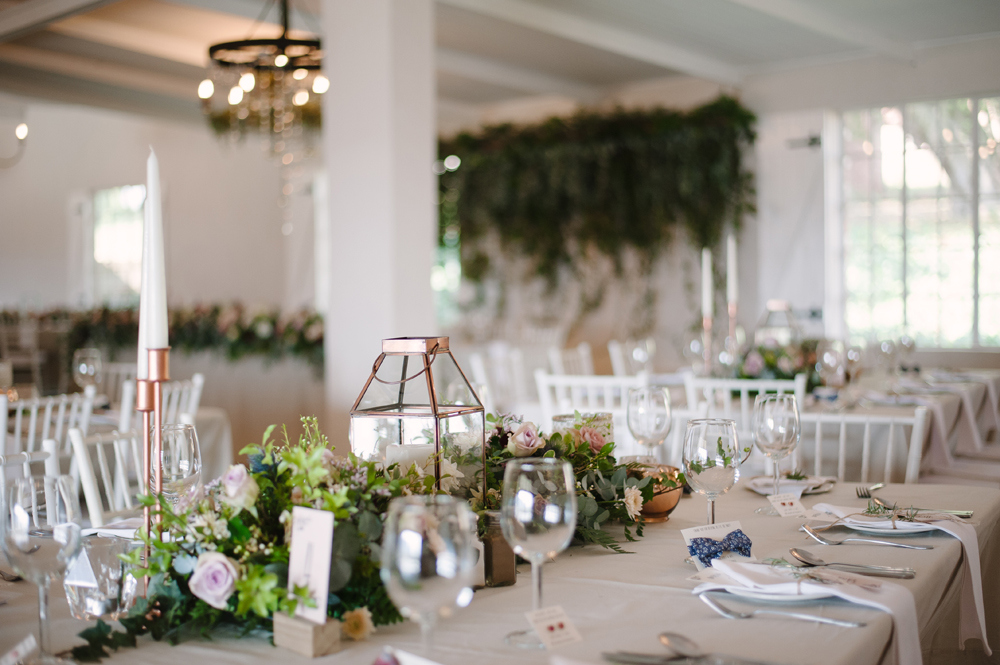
623, 601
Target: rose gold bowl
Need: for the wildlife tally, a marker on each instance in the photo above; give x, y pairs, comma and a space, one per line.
664, 498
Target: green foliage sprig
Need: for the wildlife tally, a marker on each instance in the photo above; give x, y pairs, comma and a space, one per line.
605, 182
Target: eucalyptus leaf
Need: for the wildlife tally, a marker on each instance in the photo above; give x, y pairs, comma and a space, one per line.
346, 547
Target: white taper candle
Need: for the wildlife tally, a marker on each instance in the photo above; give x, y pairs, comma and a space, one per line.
732, 276
706, 282
153, 292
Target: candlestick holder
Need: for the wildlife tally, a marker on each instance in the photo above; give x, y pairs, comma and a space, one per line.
149, 402
706, 324
732, 323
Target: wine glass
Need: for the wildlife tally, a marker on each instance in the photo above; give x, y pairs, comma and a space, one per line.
40, 535
428, 558
87, 367
776, 432
180, 458
648, 417
712, 458
538, 517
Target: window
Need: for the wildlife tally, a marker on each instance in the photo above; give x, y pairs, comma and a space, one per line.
921, 222
117, 265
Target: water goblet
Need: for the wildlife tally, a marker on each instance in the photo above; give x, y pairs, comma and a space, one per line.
87, 370
712, 458
428, 558
40, 535
648, 418
538, 517
180, 459
776, 431
99, 585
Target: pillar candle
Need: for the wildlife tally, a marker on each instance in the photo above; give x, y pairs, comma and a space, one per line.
732, 276
153, 291
706, 282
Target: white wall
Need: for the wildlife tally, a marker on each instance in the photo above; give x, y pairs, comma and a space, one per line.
222, 224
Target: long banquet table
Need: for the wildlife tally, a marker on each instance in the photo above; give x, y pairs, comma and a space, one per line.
622, 601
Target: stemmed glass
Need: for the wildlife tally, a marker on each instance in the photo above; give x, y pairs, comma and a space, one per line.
776, 432
712, 458
180, 457
428, 558
40, 535
648, 417
538, 516
87, 369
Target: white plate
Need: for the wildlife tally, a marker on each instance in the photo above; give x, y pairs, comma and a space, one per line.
913, 528
765, 485
756, 594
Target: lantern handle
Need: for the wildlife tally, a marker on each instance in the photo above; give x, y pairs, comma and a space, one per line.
433, 354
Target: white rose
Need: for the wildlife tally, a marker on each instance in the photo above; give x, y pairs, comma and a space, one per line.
449, 468
633, 502
239, 488
214, 579
357, 624
525, 441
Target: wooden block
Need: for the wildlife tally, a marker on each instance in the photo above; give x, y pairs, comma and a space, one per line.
305, 637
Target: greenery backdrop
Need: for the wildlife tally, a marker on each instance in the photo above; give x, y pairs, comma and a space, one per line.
610, 182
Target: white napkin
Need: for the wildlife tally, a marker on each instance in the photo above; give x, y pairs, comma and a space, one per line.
886, 596
972, 618
123, 529
765, 485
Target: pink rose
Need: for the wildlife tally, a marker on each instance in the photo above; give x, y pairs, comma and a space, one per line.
525, 441
239, 488
214, 579
593, 438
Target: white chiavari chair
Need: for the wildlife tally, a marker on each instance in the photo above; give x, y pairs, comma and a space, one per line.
24, 424
579, 360
24, 460
116, 375
718, 394
109, 491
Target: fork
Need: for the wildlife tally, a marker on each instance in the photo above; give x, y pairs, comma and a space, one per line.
866, 492
966, 514
732, 614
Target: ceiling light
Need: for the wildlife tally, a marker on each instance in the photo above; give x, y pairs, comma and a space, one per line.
321, 84
206, 89
247, 82
235, 95
21, 131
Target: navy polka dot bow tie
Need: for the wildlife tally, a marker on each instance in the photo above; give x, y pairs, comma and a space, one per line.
707, 549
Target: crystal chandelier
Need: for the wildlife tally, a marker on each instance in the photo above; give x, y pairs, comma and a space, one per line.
267, 87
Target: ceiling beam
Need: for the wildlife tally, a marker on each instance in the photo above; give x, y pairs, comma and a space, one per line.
35, 15
131, 38
825, 23
502, 74
99, 71
598, 35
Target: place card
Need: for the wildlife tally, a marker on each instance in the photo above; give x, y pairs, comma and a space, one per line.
553, 626
715, 532
20, 651
787, 504
309, 559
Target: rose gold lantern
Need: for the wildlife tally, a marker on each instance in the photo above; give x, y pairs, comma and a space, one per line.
418, 408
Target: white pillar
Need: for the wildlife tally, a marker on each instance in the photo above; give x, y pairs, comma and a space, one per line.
379, 144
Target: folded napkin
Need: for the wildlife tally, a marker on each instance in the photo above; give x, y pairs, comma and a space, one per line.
882, 595
765, 485
123, 529
972, 618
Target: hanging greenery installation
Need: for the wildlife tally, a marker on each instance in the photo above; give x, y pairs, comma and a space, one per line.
610, 182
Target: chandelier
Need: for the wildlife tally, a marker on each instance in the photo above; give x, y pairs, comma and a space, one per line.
267, 87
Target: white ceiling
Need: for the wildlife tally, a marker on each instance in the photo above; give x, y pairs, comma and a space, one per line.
148, 55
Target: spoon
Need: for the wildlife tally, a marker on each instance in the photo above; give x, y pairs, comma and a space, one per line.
810, 559
964, 514
829, 541
733, 614
680, 645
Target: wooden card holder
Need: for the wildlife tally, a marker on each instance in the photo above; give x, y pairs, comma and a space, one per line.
305, 637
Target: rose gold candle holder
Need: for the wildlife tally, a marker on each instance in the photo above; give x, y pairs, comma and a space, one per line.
149, 402
732, 324
706, 324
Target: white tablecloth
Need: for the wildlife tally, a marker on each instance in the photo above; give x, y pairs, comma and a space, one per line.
624, 601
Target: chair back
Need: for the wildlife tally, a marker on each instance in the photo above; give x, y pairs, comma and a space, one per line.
181, 398
578, 360
24, 460
573, 392
24, 424
109, 490
116, 375
718, 394
864, 424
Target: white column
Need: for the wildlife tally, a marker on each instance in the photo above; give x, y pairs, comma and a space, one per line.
379, 144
